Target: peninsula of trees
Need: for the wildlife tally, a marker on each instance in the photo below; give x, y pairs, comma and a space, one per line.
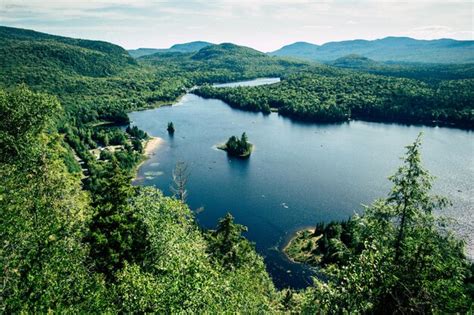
343, 96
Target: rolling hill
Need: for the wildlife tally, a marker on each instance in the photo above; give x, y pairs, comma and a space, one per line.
22, 49
402, 49
182, 48
354, 61
226, 62
227, 50
97, 79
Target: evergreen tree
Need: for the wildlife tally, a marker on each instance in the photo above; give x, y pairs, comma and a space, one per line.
115, 234
227, 243
170, 128
137, 145
244, 139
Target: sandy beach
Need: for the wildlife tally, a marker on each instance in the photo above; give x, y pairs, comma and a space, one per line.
149, 149
152, 145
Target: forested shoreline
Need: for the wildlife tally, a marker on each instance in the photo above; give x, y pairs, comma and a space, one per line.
77, 237
339, 98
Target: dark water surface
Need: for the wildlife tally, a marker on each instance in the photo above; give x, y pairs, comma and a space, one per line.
299, 174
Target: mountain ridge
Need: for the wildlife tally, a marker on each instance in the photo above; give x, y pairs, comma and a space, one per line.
391, 48
182, 48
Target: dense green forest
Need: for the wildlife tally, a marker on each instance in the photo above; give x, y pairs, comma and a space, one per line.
430, 73
227, 62
344, 96
77, 237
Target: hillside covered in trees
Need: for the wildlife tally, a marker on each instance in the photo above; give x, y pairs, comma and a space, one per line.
227, 62
77, 237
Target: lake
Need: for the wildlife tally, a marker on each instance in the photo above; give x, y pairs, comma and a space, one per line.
299, 173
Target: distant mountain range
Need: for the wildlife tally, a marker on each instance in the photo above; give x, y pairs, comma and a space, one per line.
182, 48
396, 49
400, 49
98, 58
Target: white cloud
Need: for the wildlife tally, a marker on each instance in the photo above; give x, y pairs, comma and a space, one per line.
67, 4
263, 24
317, 27
439, 31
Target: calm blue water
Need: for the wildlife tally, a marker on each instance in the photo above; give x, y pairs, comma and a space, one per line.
299, 174
261, 81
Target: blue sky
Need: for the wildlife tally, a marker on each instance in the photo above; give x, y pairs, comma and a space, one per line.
263, 24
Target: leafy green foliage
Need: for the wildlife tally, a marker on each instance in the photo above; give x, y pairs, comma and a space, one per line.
43, 217
177, 274
327, 244
25, 115
96, 83
227, 244
48, 52
136, 133
431, 73
57, 243
225, 63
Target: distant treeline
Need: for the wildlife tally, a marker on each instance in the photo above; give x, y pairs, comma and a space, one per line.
337, 98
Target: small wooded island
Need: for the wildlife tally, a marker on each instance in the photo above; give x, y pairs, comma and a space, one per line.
240, 148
